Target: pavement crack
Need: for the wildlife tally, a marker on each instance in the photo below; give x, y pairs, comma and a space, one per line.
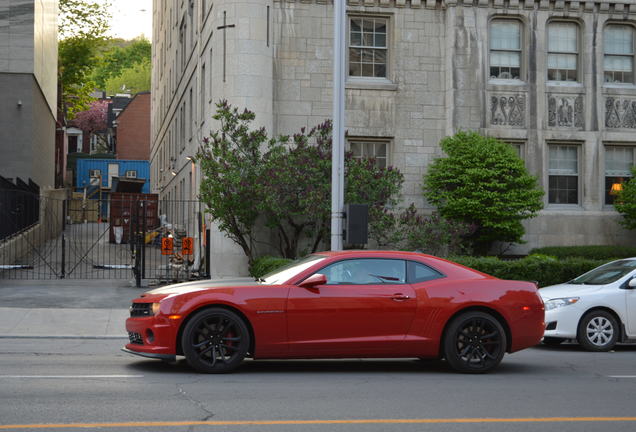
195, 402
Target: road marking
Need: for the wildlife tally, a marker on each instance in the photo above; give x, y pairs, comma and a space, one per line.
68, 376
622, 376
316, 422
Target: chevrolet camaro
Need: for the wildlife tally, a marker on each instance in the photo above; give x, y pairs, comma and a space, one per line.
352, 304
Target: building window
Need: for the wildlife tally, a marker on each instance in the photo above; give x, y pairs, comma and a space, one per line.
563, 50
368, 47
563, 174
619, 161
505, 49
369, 149
131, 174
95, 173
618, 62
203, 94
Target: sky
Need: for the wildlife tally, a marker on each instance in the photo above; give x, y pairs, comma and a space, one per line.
131, 18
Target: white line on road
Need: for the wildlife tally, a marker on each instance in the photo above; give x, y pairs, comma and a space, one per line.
621, 376
68, 376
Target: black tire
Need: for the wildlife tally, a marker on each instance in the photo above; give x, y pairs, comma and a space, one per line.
552, 341
474, 342
215, 340
598, 331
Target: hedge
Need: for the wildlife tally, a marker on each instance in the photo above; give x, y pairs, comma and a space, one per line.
266, 264
541, 269
590, 252
544, 270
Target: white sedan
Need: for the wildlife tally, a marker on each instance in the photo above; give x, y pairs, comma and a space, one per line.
598, 309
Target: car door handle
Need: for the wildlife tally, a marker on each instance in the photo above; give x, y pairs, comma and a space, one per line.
399, 297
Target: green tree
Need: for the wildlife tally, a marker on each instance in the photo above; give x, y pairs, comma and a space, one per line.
483, 182
133, 79
121, 55
283, 181
82, 30
625, 202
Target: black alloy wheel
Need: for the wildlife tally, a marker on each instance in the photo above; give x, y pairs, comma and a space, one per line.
474, 342
215, 340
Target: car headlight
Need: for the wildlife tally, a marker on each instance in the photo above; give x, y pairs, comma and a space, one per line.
560, 302
155, 308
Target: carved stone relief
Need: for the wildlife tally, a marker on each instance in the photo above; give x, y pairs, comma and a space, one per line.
566, 111
508, 110
620, 113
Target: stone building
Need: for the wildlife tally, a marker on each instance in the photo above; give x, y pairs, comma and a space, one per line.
28, 85
555, 79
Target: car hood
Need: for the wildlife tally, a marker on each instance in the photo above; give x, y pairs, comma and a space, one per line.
188, 287
567, 290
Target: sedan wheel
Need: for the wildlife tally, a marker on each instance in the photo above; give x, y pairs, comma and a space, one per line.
598, 331
215, 341
475, 342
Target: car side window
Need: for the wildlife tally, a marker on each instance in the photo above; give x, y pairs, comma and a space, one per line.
419, 272
368, 271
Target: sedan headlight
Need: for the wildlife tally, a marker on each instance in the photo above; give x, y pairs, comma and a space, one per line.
155, 308
560, 302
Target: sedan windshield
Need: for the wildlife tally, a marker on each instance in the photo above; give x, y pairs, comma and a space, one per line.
606, 274
283, 274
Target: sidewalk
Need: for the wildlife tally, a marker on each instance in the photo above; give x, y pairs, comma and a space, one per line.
65, 308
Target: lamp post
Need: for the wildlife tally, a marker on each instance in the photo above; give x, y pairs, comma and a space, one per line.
337, 148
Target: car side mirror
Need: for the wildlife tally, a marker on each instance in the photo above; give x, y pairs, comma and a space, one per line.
632, 283
314, 280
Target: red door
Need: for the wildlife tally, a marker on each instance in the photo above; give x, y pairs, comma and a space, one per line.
366, 308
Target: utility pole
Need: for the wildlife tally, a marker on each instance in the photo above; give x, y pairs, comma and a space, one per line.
337, 149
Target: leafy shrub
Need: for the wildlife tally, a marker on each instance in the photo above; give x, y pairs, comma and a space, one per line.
541, 269
266, 264
482, 181
589, 252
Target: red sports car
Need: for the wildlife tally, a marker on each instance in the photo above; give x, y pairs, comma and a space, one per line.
349, 304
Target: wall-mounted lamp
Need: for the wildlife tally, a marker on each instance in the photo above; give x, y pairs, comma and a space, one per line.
190, 158
174, 173
19, 103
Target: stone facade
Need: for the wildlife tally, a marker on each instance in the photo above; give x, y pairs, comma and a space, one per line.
28, 84
276, 60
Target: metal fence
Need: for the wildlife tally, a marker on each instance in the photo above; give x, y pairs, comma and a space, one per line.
123, 236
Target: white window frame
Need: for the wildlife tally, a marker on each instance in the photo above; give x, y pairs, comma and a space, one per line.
626, 175
131, 174
557, 173
522, 53
576, 53
367, 142
632, 55
387, 48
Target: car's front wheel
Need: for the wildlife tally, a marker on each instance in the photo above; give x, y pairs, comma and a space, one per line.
474, 342
598, 331
215, 340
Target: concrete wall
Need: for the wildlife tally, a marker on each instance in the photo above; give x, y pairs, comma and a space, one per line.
133, 129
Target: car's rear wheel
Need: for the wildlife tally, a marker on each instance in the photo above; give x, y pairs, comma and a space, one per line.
215, 340
552, 341
598, 331
474, 342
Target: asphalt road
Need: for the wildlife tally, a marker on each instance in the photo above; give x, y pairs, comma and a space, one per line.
74, 382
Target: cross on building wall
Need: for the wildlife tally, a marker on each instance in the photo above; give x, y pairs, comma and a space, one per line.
224, 27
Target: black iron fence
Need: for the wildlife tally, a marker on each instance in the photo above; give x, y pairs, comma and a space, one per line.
121, 236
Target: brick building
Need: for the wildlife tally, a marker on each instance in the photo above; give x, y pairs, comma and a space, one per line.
555, 79
133, 129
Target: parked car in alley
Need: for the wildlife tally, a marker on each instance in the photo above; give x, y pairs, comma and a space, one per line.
597, 309
352, 304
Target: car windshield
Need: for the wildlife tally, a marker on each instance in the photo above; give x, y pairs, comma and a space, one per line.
606, 274
285, 273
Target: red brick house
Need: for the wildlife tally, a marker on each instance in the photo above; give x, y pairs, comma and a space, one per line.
133, 129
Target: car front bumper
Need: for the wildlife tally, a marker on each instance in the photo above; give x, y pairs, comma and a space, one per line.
152, 337
567, 321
